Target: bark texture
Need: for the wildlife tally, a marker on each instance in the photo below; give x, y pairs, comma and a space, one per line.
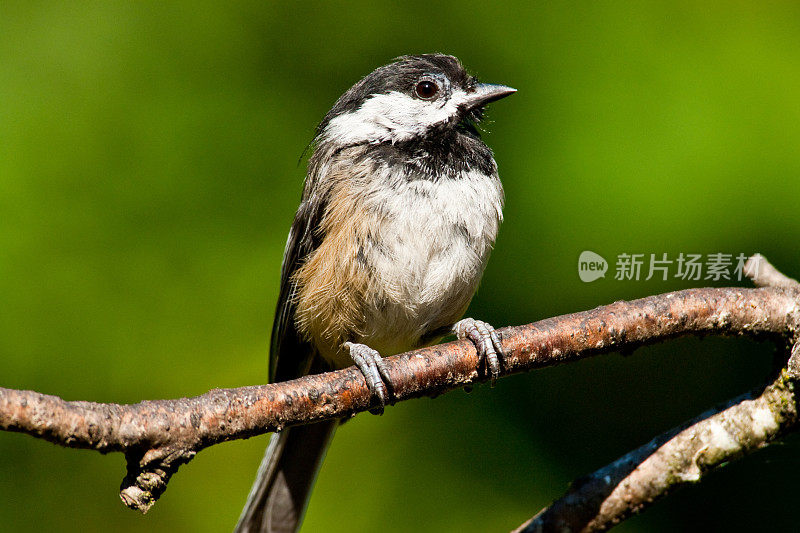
160, 435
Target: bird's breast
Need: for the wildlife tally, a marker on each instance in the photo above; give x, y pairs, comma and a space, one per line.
409, 258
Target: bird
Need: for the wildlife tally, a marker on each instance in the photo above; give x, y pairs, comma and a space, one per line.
399, 212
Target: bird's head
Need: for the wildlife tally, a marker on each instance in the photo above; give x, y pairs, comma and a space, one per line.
410, 98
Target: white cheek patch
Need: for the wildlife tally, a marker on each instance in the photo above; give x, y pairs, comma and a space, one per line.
392, 117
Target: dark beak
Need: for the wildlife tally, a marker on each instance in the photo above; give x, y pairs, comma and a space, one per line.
487, 92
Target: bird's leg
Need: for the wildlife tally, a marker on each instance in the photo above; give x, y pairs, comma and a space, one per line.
373, 367
486, 342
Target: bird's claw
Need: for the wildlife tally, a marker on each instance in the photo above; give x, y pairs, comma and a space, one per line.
486, 341
373, 367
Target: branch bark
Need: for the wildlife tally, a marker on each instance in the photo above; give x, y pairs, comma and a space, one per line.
687, 453
159, 436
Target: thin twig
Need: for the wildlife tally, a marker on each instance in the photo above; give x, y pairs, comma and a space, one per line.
763, 274
681, 456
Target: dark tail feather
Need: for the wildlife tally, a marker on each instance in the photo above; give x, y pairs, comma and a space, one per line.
279, 496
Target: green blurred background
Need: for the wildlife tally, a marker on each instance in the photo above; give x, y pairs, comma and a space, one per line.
148, 176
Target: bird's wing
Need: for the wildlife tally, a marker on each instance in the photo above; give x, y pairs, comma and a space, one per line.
290, 355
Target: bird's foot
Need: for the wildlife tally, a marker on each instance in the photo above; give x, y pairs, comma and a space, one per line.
371, 364
486, 341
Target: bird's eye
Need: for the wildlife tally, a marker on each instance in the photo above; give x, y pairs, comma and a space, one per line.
426, 89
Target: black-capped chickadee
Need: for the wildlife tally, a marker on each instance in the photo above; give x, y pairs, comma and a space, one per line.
400, 209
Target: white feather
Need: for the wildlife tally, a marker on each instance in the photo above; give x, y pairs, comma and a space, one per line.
392, 117
435, 243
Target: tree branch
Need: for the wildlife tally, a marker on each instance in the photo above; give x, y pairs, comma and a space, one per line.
763, 274
159, 436
687, 453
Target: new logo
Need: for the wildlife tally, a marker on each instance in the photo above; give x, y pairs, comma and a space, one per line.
591, 266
